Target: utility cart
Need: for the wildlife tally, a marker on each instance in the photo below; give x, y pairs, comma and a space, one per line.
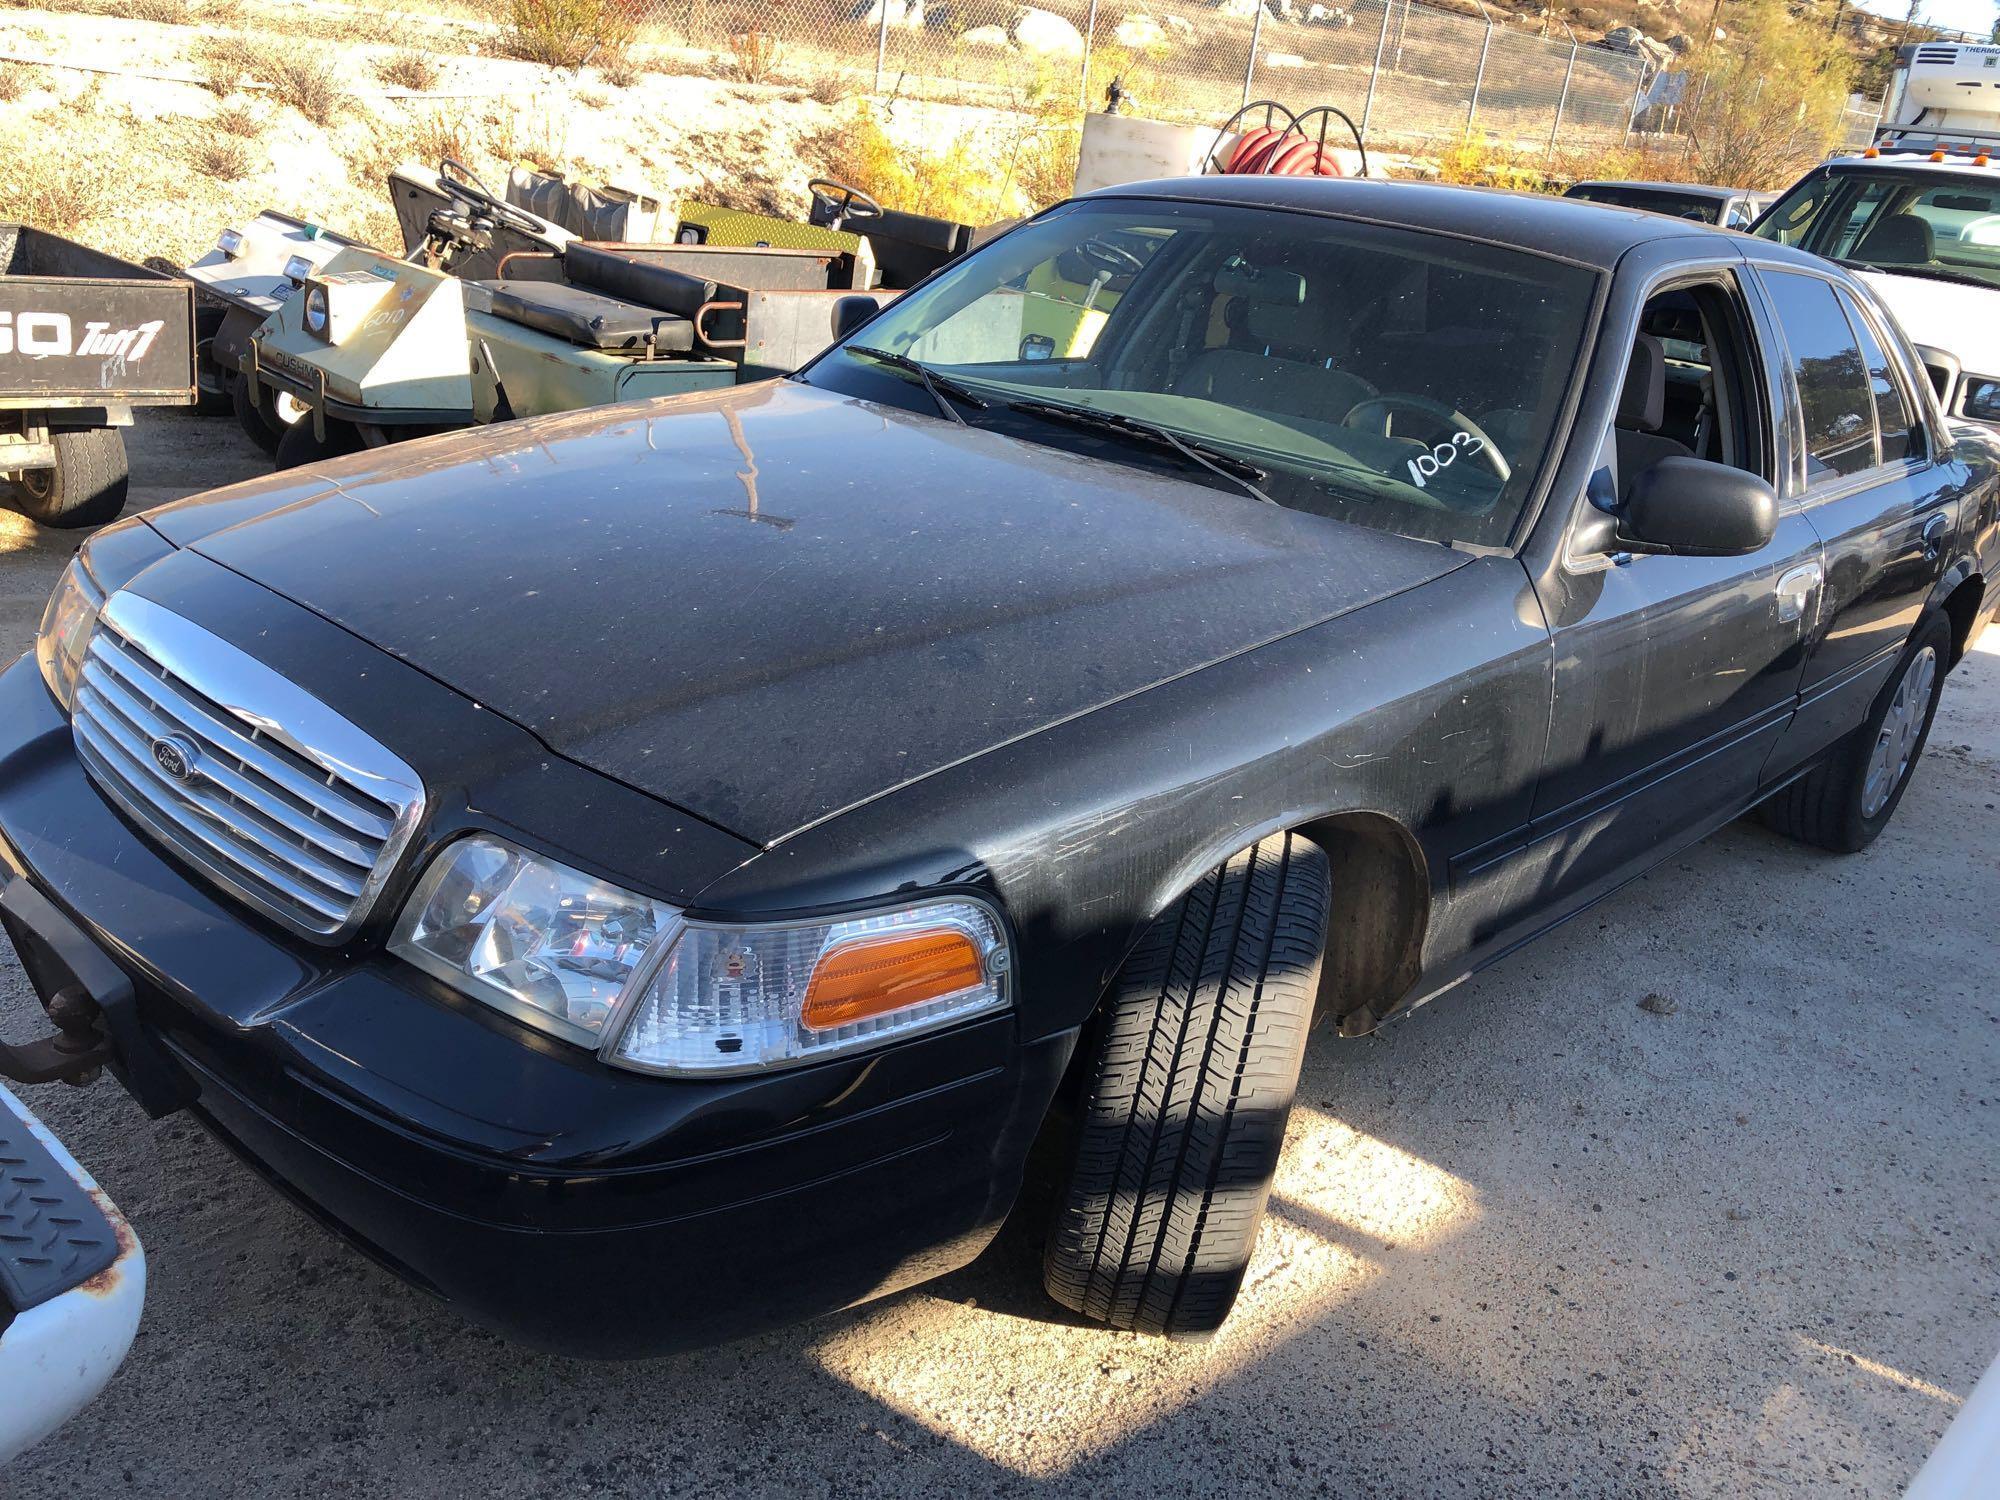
85, 338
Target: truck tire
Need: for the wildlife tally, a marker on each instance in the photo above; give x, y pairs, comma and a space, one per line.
216, 401
1846, 801
1189, 1090
258, 425
297, 445
87, 485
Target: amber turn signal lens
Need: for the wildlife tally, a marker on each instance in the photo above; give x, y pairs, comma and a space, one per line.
873, 976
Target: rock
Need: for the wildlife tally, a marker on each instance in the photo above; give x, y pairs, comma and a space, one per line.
1283, 60
1659, 1005
1180, 28
987, 36
1139, 31
1328, 15
1680, 43
1237, 10
1047, 33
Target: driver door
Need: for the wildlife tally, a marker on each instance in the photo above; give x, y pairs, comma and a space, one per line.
1674, 675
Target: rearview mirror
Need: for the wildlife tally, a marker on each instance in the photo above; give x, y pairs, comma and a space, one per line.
849, 313
1694, 508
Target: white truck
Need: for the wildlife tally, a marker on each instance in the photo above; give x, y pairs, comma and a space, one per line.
1917, 214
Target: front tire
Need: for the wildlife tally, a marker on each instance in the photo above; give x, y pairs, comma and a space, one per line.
86, 487
1845, 803
298, 445
1190, 1088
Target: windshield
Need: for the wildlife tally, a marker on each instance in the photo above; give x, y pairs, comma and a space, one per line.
1912, 223
1401, 379
1701, 206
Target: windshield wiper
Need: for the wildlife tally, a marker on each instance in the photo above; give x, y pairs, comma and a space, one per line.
1238, 471
939, 386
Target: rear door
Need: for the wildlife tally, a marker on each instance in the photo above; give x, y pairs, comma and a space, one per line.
1867, 477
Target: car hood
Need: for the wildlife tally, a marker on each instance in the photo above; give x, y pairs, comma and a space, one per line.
1961, 320
769, 603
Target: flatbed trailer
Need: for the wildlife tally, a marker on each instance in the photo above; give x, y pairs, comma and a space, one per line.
85, 339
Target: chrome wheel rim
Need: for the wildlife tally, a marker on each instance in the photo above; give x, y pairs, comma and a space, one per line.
1896, 740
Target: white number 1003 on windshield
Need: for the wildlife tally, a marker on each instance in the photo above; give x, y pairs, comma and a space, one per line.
1426, 465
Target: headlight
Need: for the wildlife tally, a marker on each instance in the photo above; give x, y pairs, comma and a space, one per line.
596, 964
316, 310
230, 242
66, 622
298, 268
547, 944
1982, 398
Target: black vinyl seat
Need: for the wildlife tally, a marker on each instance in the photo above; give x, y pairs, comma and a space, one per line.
589, 319
1642, 407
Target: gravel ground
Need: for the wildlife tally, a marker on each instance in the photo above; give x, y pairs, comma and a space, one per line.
1549, 1237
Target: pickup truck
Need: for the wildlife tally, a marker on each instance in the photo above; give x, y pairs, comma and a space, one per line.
84, 339
650, 873
1917, 216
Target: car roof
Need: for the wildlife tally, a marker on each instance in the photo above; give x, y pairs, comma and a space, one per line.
1954, 165
1690, 189
1597, 234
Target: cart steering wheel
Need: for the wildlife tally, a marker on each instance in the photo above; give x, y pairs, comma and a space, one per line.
455, 179
1365, 415
834, 203
1112, 260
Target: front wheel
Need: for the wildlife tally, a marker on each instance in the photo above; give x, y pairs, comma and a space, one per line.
1845, 803
1190, 1088
87, 485
300, 446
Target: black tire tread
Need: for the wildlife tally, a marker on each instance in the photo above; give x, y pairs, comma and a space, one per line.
1193, 1078
1823, 807
89, 483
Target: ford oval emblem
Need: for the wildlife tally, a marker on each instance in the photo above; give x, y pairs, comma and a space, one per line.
175, 755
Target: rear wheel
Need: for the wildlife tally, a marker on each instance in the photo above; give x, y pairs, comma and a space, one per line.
87, 485
1189, 1092
1845, 803
253, 413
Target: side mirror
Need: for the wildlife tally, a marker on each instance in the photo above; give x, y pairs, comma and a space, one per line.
849, 313
1695, 508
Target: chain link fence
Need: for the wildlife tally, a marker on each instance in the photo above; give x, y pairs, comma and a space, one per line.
1410, 73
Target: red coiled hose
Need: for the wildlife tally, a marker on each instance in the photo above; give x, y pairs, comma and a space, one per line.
1271, 151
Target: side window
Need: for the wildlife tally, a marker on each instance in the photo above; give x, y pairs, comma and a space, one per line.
1831, 376
1893, 414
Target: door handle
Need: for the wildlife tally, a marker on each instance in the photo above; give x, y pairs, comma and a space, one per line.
1795, 589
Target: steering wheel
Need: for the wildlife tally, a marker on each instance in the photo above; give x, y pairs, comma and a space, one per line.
1363, 414
1112, 260
834, 203
456, 181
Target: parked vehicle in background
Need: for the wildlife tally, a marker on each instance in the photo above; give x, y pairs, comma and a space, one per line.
72, 1279
84, 339
780, 804
1732, 208
1917, 216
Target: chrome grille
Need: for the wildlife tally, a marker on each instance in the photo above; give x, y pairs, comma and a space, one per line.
277, 798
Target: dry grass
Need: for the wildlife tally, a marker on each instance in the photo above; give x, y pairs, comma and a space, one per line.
238, 120
408, 69
297, 75
13, 83
165, 12
566, 33
620, 71
753, 55
830, 86
223, 157
57, 190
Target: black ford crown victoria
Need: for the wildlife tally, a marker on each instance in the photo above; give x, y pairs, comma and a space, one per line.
650, 873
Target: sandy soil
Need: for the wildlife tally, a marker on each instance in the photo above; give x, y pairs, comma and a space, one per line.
1538, 1240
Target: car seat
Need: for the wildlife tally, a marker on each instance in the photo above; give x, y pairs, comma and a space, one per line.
1281, 351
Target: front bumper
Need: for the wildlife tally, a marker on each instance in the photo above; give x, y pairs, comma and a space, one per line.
562, 1203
